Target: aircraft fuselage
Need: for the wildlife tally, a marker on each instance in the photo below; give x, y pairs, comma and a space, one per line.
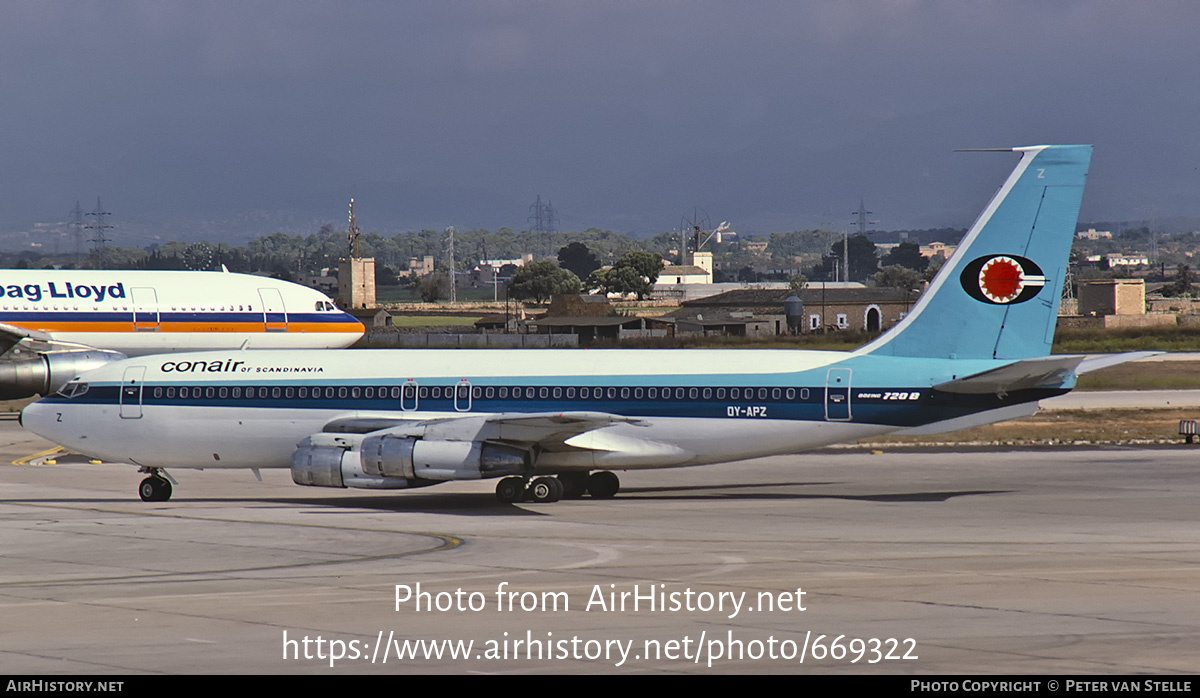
250, 409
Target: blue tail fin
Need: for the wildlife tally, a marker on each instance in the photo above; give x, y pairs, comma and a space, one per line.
997, 296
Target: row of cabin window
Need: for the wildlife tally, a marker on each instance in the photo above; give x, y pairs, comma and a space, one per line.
321, 306
487, 393
588, 393
287, 392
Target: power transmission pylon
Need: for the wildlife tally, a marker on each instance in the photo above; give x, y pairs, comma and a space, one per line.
99, 226
862, 222
77, 233
544, 221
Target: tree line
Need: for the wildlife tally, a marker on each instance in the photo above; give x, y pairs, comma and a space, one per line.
592, 258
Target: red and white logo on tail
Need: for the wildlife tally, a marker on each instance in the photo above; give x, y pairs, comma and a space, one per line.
1002, 279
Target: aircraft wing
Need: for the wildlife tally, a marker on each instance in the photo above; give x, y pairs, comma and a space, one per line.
547, 430
11, 335
551, 431
1042, 372
14, 340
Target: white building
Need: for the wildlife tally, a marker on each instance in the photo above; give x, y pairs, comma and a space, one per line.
700, 271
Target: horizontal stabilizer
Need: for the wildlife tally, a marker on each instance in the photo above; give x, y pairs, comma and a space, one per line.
1095, 363
1044, 372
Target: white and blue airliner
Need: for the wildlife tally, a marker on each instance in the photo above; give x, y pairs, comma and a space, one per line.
552, 423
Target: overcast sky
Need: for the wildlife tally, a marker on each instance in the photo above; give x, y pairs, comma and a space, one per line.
625, 115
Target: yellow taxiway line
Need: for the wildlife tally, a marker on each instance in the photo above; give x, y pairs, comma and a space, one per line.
48, 452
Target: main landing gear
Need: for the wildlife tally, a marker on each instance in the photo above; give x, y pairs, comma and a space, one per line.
155, 488
600, 485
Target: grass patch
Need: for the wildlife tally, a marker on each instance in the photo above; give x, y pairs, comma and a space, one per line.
1101, 341
434, 320
1144, 375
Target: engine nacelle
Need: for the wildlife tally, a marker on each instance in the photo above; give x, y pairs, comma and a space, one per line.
317, 466
326, 460
388, 455
387, 461
46, 373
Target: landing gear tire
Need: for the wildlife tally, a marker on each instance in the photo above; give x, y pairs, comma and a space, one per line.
574, 485
155, 489
510, 490
545, 490
603, 485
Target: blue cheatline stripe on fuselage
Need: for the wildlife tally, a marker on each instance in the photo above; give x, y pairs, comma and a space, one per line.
900, 407
60, 316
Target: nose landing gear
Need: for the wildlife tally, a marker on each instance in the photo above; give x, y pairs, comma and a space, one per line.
155, 488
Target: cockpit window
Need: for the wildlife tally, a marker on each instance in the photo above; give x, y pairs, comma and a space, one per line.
73, 389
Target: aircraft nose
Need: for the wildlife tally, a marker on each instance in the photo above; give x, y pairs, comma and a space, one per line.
31, 417
26, 416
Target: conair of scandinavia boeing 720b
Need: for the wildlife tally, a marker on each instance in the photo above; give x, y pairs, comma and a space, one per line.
554, 423
56, 323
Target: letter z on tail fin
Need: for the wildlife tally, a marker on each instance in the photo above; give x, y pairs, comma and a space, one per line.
997, 296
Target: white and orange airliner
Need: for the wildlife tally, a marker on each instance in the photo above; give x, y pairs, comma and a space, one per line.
55, 323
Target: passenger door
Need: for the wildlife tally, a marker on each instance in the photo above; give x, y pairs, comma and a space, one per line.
131, 392
837, 395
274, 313
408, 395
145, 310
462, 396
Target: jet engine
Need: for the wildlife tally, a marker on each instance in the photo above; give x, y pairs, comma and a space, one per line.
42, 374
391, 461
